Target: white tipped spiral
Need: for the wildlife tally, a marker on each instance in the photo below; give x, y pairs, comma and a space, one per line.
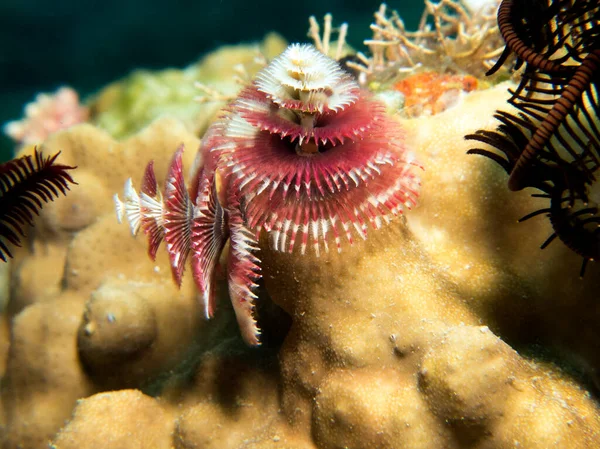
304, 78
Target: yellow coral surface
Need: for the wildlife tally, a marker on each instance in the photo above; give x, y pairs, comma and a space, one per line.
437, 331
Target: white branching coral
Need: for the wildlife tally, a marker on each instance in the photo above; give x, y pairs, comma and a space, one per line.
323, 42
452, 35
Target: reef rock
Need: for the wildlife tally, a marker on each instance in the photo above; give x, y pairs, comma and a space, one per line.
420, 336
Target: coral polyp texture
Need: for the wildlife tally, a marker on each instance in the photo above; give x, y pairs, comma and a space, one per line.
303, 154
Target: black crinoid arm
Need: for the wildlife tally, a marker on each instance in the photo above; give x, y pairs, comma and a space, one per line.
26, 184
551, 139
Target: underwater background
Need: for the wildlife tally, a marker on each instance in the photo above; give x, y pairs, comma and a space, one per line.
86, 45
453, 325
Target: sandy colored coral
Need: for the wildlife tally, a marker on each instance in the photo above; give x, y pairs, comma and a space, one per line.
72, 291
230, 401
43, 375
392, 331
104, 420
524, 292
421, 336
468, 379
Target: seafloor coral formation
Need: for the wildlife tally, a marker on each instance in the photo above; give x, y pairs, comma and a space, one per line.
47, 114
446, 328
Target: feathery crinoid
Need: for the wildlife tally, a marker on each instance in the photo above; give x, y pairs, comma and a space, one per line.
302, 154
559, 43
312, 155
552, 142
26, 184
527, 27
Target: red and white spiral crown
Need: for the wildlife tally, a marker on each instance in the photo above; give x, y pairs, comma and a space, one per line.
312, 154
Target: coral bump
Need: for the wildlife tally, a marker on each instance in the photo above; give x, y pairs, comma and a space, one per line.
303, 154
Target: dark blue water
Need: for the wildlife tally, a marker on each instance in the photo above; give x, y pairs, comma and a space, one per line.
45, 44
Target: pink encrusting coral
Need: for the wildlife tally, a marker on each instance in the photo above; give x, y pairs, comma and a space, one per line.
46, 115
303, 154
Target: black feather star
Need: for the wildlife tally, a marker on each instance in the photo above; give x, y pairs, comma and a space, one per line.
26, 184
552, 142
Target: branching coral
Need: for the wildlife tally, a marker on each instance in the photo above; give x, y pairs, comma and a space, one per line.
323, 41
461, 40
